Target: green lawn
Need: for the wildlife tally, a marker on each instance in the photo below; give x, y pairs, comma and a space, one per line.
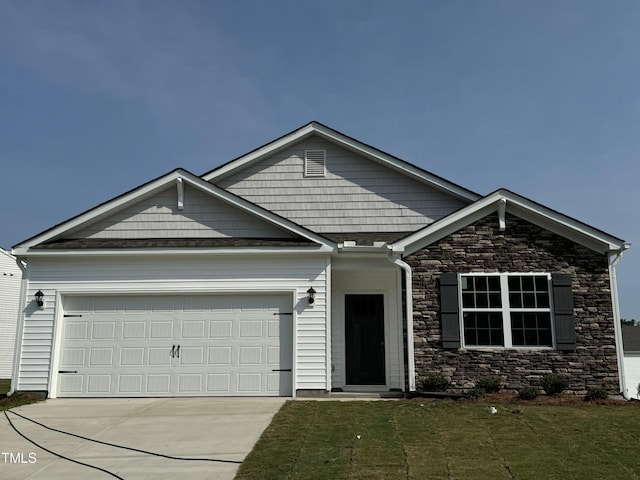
17, 399
446, 440
5, 385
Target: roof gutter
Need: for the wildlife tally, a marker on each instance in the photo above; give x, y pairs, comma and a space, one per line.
409, 316
614, 257
17, 350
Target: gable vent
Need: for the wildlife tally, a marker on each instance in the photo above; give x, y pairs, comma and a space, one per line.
314, 163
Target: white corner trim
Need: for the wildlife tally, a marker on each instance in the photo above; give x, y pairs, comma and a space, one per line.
180, 188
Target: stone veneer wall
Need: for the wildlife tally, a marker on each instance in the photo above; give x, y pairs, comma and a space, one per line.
522, 247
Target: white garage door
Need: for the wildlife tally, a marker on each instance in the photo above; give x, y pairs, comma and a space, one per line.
176, 345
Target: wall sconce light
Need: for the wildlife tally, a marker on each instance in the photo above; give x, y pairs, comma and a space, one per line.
312, 295
40, 298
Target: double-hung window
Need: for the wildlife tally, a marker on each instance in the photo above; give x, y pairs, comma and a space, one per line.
506, 310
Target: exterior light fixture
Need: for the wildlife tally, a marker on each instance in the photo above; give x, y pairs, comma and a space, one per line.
312, 295
40, 298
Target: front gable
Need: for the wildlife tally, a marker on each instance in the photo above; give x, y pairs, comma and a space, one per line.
175, 210
199, 216
505, 202
331, 183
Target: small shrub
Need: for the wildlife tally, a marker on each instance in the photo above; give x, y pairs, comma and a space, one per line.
435, 382
528, 393
554, 384
596, 393
475, 393
490, 384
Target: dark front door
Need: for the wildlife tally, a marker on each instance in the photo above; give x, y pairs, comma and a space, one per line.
364, 339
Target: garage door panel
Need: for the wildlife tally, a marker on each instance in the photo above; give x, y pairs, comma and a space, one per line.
159, 357
219, 356
250, 355
158, 384
101, 357
134, 330
71, 384
131, 356
219, 383
192, 356
76, 331
250, 382
73, 357
190, 382
99, 384
229, 345
193, 329
161, 330
130, 384
220, 329
103, 330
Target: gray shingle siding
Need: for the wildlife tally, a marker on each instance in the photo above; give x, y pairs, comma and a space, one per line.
355, 195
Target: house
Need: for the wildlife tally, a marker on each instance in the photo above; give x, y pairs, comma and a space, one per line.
315, 263
631, 344
10, 279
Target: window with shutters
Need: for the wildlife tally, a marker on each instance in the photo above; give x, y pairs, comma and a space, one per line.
506, 310
314, 163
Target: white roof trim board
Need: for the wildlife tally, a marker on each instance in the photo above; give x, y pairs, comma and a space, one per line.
346, 142
519, 206
176, 177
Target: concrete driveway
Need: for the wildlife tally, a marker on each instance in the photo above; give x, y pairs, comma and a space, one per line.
213, 428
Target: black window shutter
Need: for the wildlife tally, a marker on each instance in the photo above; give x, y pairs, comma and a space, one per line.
449, 310
563, 312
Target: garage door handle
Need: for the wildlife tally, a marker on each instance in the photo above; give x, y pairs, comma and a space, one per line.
173, 351
67, 371
281, 370
178, 351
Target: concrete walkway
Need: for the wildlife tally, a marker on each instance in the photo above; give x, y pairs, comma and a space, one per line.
213, 428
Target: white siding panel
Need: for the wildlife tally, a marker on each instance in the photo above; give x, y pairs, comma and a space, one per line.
632, 373
356, 194
10, 279
202, 217
174, 274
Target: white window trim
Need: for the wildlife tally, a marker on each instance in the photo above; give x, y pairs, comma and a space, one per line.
506, 311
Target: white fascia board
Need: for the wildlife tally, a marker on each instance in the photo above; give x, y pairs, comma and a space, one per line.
349, 143
260, 152
403, 167
521, 207
176, 251
100, 210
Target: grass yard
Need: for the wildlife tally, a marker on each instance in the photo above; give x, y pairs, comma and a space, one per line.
17, 399
429, 439
5, 385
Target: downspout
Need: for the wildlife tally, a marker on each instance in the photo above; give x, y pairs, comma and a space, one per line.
614, 258
409, 314
17, 349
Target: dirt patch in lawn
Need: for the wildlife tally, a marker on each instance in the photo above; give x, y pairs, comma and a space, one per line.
507, 398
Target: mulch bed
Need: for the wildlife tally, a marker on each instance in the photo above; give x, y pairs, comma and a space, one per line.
563, 399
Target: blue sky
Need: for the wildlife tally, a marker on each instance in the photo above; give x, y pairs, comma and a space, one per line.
541, 97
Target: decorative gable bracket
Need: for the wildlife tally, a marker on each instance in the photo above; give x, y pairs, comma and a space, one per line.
180, 187
502, 210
